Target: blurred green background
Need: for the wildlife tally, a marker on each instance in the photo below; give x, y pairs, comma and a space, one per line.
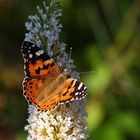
105, 36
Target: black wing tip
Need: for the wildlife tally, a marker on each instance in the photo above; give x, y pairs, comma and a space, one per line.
27, 45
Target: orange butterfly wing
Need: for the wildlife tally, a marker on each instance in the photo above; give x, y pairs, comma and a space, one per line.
44, 86
37, 67
35, 94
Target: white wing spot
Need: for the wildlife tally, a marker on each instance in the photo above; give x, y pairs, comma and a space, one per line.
79, 93
38, 53
67, 101
76, 98
30, 55
84, 87
79, 87
76, 93
24, 66
25, 60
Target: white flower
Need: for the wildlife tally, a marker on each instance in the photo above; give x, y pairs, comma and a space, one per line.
28, 37
62, 123
28, 25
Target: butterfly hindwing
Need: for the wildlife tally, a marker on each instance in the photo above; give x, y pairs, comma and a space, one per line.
33, 90
72, 90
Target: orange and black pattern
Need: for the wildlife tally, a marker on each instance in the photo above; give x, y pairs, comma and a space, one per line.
44, 86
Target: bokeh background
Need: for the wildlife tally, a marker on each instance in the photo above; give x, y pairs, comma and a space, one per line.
105, 37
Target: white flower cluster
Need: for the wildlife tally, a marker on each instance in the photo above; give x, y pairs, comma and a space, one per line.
43, 30
44, 27
67, 122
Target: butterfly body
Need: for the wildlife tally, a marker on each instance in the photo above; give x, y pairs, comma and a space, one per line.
44, 86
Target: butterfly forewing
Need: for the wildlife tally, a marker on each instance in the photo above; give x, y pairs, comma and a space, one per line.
37, 64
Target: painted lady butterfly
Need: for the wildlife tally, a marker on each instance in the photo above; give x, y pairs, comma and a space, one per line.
44, 86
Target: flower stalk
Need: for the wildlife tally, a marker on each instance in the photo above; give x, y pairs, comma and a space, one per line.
67, 121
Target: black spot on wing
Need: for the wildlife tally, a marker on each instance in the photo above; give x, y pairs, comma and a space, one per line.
52, 64
30, 83
46, 66
38, 70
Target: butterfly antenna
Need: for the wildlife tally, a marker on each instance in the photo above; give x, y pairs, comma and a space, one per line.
87, 72
69, 59
70, 54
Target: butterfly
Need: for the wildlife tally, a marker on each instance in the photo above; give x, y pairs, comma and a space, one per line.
44, 85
